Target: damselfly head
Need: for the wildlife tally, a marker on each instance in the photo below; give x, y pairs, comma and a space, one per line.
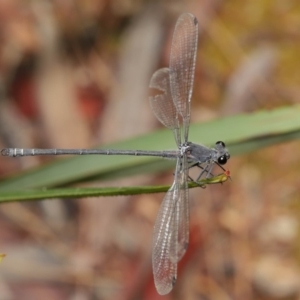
223, 155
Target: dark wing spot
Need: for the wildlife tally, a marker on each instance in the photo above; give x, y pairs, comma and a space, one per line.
173, 281
186, 246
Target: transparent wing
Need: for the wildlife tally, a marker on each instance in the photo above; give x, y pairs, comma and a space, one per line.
171, 232
164, 268
182, 66
183, 211
162, 104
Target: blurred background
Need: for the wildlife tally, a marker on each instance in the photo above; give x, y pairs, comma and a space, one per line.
74, 74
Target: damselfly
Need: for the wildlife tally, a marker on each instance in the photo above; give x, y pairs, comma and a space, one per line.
171, 105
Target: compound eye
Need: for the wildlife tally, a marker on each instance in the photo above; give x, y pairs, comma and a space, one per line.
222, 160
220, 143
